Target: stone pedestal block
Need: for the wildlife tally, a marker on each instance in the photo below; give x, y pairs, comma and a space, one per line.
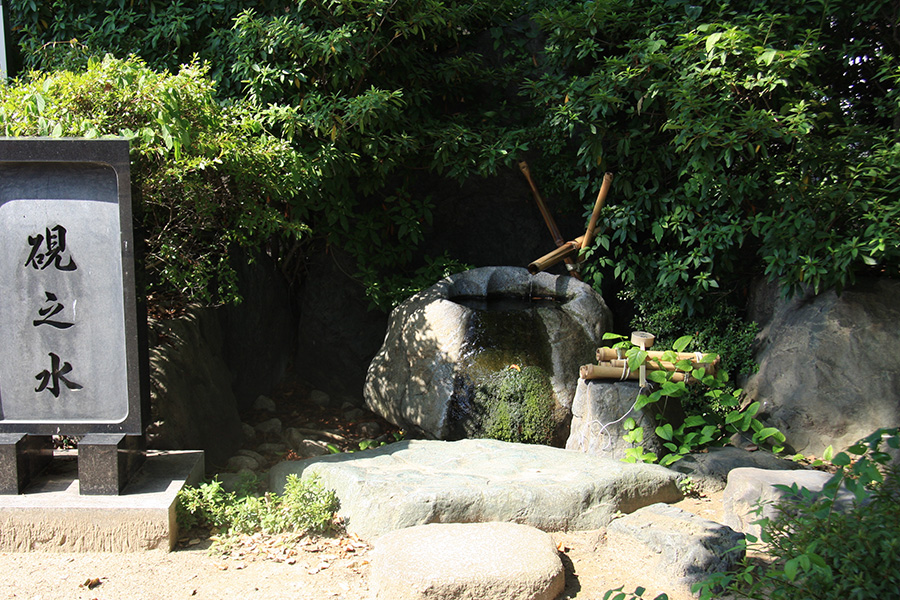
106, 461
22, 457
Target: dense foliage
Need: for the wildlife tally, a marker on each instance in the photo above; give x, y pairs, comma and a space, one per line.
375, 94
746, 137
823, 550
820, 546
206, 178
714, 413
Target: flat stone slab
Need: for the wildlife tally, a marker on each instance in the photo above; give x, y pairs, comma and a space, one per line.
52, 516
683, 547
467, 561
477, 481
709, 471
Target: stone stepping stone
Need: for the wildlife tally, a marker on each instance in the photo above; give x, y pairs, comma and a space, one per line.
709, 470
750, 488
466, 561
681, 548
477, 481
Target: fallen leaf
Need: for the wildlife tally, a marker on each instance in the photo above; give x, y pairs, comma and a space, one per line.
91, 583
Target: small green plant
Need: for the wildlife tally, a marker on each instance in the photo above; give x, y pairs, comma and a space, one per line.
366, 444
305, 506
821, 551
688, 487
708, 428
517, 404
638, 594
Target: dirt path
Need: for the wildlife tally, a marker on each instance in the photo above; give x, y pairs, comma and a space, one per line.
335, 568
327, 568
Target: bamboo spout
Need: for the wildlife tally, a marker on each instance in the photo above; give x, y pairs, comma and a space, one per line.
621, 373
564, 252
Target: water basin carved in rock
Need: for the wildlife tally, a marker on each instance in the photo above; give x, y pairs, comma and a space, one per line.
479, 334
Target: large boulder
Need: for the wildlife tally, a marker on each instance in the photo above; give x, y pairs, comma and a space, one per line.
440, 341
475, 481
752, 494
708, 471
827, 375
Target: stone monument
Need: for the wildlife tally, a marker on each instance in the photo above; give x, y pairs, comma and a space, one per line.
70, 359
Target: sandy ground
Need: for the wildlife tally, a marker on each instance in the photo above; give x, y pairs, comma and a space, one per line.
327, 568
302, 570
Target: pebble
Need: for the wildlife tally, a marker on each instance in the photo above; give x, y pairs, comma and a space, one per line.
269, 427
320, 398
264, 403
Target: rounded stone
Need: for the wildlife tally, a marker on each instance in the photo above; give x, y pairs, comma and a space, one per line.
239, 462
467, 561
269, 427
319, 398
264, 404
418, 379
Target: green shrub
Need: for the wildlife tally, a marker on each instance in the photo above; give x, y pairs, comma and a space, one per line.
816, 550
206, 178
719, 330
745, 138
823, 552
702, 428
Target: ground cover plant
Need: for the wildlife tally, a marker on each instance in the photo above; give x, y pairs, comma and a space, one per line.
715, 415
304, 508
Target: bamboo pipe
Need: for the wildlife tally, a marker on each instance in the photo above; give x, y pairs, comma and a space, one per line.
595, 214
564, 252
551, 223
607, 354
604, 372
542, 206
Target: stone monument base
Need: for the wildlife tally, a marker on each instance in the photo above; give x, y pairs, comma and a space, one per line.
51, 515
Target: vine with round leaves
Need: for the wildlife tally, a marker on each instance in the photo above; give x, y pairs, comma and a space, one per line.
697, 431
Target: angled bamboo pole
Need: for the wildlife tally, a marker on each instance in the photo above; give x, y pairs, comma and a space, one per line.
551, 223
595, 214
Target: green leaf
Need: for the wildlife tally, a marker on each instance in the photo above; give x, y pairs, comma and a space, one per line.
766, 433
858, 449
841, 459
790, 568
643, 401
665, 431
712, 40
682, 343
767, 57
658, 376
694, 421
